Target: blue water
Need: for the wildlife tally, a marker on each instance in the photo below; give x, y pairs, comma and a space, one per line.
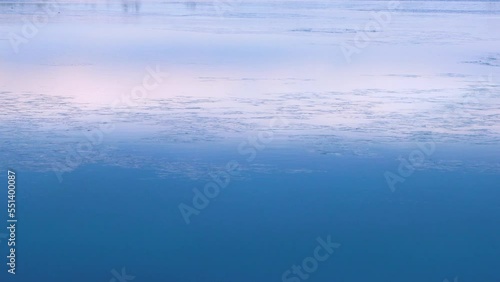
382, 165
439, 224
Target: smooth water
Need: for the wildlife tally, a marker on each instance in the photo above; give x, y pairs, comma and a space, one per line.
224, 140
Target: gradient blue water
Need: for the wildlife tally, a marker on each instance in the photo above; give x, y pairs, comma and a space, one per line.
438, 225
432, 72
